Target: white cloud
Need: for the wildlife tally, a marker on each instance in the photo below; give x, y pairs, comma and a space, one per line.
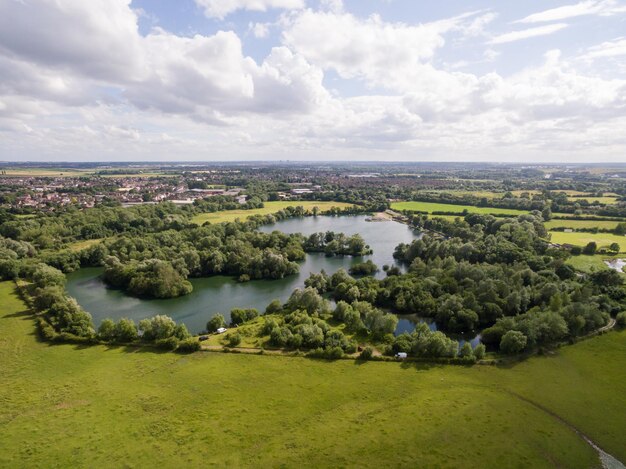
614, 48
122, 94
477, 26
367, 48
260, 30
98, 38
528, 33
222, 8
584, 8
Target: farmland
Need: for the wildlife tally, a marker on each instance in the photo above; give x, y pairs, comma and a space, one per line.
269, 208
96, 406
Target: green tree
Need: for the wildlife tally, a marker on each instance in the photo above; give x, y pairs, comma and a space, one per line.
590, 249
46, 276
106, 331
215, 323
126, 330
513, 342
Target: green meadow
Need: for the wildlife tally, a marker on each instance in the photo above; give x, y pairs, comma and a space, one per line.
582, 239
578, 224
98, 406
589, 264
269, 208
436, 207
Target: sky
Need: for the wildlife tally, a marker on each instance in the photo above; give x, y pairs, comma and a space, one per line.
308, 80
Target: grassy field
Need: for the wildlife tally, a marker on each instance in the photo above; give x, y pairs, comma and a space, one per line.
80, 245
73, 406
577, 224
582, 239
589, 264
139, 175
44, 172
602, 200
435, 207
270, 207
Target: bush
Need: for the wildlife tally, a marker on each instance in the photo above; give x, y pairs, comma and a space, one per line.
46, 331
576, 251
169, 343
479, 351
333, 353
239, 316
189, 345
621, 319
234, 339
366, 354
274, 307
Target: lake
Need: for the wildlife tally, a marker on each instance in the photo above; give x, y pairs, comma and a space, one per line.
220, 294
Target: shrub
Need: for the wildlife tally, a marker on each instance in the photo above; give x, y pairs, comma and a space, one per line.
169, 343
479, 351
367, 353
239, 316
234, 339
274, 307
269, 325
46, 331
621, 319
189, 345
466, 351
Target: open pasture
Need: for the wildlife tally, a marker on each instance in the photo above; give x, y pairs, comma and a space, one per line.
269, 208
437, 207
97, 406
582, 239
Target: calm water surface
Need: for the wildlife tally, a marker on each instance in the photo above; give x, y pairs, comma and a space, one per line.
220, 294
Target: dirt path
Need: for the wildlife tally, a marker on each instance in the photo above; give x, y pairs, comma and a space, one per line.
608, 461
610, 325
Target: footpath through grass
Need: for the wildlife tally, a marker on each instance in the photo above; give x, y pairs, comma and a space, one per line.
74, 406
269, 208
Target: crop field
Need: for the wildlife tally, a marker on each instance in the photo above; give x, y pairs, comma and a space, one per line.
436, 207
582, 239
577, 224
76, 406
270, 207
